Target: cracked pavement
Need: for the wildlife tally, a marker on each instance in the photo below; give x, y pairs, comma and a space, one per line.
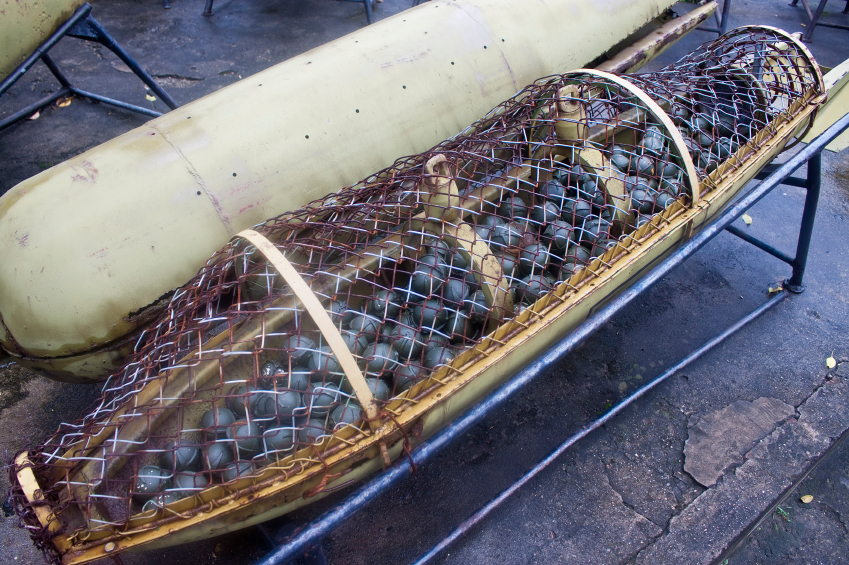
621, 495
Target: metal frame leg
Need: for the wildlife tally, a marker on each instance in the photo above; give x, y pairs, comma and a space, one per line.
207, 10
814, 18
721, 17
813, 183
81, 25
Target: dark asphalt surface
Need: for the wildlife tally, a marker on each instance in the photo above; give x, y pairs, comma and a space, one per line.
615, 493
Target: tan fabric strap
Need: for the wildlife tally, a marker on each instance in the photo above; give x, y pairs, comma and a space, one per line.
322, 320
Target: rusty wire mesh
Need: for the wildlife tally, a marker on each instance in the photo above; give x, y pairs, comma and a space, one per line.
235, 381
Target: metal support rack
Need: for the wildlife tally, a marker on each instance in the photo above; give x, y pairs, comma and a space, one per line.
814, 18
207, 10
304, 541
81, 25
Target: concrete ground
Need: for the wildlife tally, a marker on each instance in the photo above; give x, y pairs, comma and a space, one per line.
628, 492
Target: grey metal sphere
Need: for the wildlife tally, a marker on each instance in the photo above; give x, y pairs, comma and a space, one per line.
217, 455
379, 389
269, 372
576, 210
652, 146
454, 292
670, 170
476, 307
181, 456
385, 304
433, 341
642, 200
406, 341
150, 481
429, 275
188, 484
429, 315
506, 235
311, 431
379, 358
278, 439
560, 234
460, 266
237, 470
438, 356
673, 187
346, 414
215, 421
534, 258
553, 191
483, 231
509, 263
620, 161
641, 165
325, 366
298, 380
460, 327
679, 114
591, 192
160, 500
590, 231
246, 436
281, 404
581, 254
365, 325
513, 207
340, 313
242, 398
408, 375
663, 200
356, 342
440, 247
297, 348
322, 397
532, 288
545, 213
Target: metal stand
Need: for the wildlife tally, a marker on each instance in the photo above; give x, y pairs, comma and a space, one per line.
814, 19
311, 535
81, 25
207, 10
721, 17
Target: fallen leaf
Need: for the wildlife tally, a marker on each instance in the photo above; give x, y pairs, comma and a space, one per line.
65, 101
777, 288
807, 499
150, 97
35, 116
747, 219
831, 363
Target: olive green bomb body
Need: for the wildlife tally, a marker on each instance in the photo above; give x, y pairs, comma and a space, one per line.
141, 213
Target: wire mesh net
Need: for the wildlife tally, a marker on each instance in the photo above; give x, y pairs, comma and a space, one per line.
417, 266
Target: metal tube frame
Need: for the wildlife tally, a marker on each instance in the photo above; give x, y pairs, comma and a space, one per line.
207, 10
304, 539
814, 18
81, 25
721, 17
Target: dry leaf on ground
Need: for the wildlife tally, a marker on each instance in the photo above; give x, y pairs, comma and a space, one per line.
831, 363
747, 219
35, 116
64, 102
807, 499
150, 97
